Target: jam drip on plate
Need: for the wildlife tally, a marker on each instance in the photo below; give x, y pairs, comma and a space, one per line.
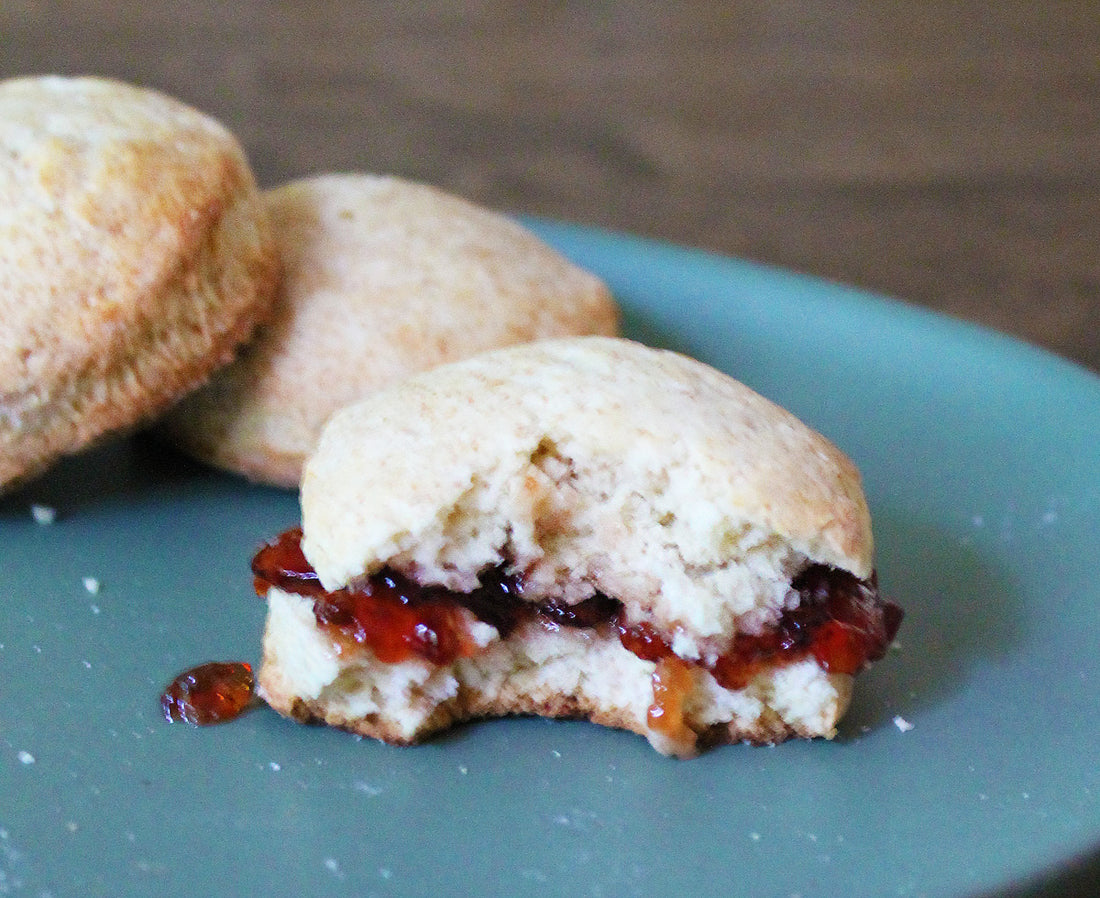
841, 621
209, 693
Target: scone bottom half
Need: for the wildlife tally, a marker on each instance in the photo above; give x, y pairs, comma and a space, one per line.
517, 533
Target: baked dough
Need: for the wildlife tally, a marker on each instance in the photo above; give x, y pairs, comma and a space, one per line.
588, 469
383, 278
135, 255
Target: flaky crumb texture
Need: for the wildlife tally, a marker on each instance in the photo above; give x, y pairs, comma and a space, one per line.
540, 670
588, 465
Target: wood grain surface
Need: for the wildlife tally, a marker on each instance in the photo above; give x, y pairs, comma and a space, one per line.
946, 153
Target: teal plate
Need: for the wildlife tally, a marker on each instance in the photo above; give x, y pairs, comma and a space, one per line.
969, 763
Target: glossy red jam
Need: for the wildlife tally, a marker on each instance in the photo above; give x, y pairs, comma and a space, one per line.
210, 693
841, 621
282, 563
397, 618
397, 622
672, 682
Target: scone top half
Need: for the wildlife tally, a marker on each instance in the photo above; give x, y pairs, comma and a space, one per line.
688, 527
589, 465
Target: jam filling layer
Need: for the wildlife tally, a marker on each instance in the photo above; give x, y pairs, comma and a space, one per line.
840, 621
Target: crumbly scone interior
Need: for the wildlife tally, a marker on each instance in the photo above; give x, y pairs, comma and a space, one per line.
573, 529
539, 669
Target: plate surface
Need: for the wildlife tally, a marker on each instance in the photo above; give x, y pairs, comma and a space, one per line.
967, 763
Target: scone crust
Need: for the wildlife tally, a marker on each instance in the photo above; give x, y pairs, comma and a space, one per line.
384, 278
135, 255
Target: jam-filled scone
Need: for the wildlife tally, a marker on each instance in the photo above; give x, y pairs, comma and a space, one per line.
135, 255
383, 278
584, 527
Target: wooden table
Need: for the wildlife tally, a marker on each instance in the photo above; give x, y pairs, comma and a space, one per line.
947, 153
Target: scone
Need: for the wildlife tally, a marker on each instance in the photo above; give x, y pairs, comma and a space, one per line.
383, 278
135, 255
584, 527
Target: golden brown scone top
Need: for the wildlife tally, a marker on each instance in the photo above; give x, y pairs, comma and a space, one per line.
134, 256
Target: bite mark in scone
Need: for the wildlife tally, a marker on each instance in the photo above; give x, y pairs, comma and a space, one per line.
582, 527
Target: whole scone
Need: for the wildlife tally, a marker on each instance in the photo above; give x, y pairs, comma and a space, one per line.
383, 278
135, 255
583, 526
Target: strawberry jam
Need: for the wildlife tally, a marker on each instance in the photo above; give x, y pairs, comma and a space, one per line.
210, 693
397, 618
840, 621
283, 564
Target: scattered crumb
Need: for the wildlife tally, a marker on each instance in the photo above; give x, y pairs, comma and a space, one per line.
25, 757
43, 514
274, 765
463, 769
754, 836
92, 585
902, 724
